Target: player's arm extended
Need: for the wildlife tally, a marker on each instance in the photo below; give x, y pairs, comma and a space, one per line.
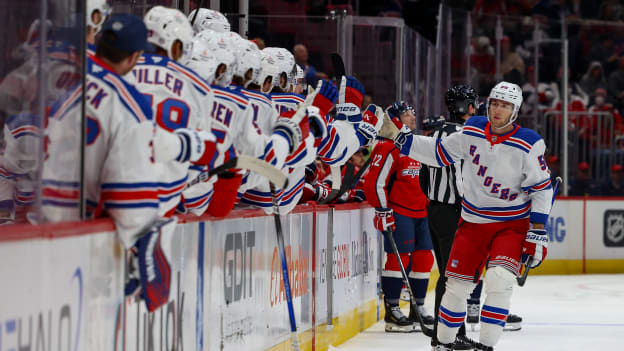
537, 183
433, 152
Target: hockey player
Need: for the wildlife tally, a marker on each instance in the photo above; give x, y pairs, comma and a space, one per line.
507, 199
120, 155
179, 99
392, 186
275, 145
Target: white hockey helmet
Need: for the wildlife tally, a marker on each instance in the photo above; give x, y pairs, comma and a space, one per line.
247, 57
97, 5
165, 26
269, 69
214, 49
299, 79
286, 66
209, 19
508, 92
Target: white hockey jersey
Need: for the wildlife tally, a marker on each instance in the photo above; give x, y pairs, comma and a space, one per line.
505, 177
294, 166
119, 174
340, 143
179, 99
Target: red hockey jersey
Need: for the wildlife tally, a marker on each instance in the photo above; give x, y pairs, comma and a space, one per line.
397, 175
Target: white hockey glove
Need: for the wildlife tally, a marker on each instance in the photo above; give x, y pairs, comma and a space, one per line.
294, 127
198, 146
536, 246
372, 120
350, 97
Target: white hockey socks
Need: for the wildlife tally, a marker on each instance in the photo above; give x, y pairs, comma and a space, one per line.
498, 288
453, 309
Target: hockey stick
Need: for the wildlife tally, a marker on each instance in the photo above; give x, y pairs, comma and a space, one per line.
348, 182
282, 252
427, 331
527, 267
274, 175
338, 66
199, 6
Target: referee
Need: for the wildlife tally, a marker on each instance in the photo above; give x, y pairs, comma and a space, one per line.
445, 195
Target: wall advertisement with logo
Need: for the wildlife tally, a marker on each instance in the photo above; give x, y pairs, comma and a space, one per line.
227, 290
56, 296
586, 236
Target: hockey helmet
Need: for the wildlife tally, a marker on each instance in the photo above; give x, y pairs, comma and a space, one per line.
247, 57
209, 19
286, 66
395, 111
269, 68
165, 26
508, 92
214, 50
457, 100
97, 5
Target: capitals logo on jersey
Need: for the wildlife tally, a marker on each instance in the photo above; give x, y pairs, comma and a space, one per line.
412, 170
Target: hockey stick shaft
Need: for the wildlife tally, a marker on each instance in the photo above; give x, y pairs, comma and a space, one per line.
199, 6
522, 279
282, 251
253, 164
427, 331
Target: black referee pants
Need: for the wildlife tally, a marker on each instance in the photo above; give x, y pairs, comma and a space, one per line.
443, 220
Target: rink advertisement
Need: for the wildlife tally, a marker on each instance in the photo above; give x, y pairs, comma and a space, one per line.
62, 285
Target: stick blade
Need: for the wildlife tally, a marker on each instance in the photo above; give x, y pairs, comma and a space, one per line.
338, 66
273, 174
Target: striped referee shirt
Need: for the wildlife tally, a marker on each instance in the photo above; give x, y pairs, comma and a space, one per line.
445, 184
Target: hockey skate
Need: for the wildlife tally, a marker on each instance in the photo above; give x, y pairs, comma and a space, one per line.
472, 317
396, 321
426, 317
462, 342
481, 347
514, 323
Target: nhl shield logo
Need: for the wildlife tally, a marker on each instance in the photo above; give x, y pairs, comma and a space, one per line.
614, 228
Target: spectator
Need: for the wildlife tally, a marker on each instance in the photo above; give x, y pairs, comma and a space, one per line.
510, 60
482, 58
582, 184
593, 79
366, 101
614, 186
554, 165
602, 123
604, 52
301, 58
615, 85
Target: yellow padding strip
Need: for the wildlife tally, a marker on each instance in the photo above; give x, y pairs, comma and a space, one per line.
576, 267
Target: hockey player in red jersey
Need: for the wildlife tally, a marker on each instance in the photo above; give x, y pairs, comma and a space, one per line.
506, 202
392, 186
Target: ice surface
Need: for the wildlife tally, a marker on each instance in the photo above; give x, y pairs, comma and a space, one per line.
560, 313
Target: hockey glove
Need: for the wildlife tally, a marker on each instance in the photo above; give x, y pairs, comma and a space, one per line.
372, 120
150, 271
384, 219
294, 127
323, 97
402, 138
198, 146
318, 125
350, 99
535, 245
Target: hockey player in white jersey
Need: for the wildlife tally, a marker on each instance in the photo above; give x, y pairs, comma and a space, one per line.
232, 116
506, 202
179, 99
120, 155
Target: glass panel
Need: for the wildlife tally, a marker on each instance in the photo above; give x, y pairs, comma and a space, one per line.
35, 76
